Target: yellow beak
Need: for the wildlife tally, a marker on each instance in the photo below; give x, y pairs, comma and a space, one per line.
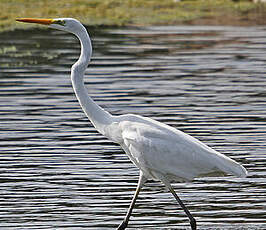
36, 20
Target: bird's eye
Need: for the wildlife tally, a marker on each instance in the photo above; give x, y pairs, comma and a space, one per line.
60, 22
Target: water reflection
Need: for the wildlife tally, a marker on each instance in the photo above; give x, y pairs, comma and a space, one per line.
57, 172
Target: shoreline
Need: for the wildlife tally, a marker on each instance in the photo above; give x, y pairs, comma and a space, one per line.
136, 12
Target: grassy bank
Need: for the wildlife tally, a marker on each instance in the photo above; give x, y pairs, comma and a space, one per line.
136, 12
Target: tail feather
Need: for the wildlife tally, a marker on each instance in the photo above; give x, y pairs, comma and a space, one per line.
230, 166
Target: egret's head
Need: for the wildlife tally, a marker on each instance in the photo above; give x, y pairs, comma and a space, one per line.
67, 24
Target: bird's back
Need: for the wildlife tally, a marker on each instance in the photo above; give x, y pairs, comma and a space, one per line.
156, 147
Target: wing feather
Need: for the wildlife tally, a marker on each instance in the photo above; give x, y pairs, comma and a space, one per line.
163, 149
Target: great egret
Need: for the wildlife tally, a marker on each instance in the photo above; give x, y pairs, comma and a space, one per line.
160, 152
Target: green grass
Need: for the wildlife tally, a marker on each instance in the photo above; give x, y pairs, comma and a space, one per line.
134, 12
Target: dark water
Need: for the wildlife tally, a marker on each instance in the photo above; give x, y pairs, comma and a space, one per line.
57, 172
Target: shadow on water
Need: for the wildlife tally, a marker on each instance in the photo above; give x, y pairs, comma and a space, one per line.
56, 171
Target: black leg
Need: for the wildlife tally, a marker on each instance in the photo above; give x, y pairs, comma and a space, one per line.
192, 220
141, 182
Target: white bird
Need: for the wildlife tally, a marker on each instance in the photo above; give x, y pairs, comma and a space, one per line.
161, 152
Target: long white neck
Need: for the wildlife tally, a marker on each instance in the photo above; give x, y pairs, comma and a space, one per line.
98, 116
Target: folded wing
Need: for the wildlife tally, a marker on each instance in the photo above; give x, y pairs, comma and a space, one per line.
156, 147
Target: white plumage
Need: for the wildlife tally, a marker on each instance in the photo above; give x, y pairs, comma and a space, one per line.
155, 147
160, 152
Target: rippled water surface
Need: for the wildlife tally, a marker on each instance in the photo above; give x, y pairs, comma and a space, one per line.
57, 172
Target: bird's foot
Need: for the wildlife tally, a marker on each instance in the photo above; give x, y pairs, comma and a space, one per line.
123, 225
193, 224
